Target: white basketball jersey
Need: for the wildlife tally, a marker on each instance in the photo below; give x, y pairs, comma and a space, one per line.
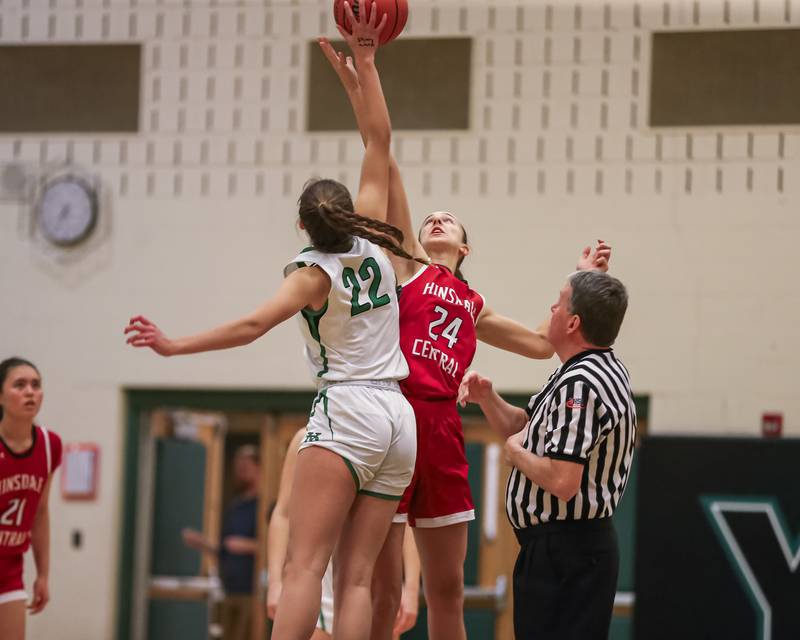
356, 335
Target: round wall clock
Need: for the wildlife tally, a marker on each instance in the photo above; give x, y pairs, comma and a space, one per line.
67, 210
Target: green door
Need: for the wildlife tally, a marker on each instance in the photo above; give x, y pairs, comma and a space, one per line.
177, 503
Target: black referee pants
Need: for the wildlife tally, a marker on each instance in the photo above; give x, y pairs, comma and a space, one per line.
565, 579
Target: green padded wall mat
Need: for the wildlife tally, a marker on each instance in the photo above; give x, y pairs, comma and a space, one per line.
177, 503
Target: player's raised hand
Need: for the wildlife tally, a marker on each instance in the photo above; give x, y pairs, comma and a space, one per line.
41, 596
473, 388
596, 260
366, 30
342, 65
144, 333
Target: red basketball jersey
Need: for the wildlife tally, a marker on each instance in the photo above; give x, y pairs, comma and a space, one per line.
22, 479
438, 313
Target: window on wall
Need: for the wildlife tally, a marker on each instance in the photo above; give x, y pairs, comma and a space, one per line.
426, 82
69, 88
717, 78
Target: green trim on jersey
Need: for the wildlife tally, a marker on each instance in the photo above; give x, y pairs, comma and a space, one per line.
382, 496
312, 318
314, 406
324, 395
322, 621
352, 472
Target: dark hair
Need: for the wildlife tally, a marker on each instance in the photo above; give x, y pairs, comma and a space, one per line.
326, 211
600, 301
458, 273
7, 365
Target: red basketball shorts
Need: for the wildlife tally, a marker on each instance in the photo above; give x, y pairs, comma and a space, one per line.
439, 493
11, 587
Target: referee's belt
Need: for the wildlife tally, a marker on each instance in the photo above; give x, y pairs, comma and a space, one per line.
557, 526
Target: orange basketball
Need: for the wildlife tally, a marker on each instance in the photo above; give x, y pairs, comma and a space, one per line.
396, 11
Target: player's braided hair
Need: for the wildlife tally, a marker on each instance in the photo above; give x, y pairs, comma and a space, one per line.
326, 211
7, 365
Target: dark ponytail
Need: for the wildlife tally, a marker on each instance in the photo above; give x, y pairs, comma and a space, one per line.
326, 211
6, 366
458, 273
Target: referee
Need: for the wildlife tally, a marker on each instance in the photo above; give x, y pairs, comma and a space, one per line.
570, 454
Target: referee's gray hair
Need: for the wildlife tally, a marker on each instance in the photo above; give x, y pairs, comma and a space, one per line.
600, 301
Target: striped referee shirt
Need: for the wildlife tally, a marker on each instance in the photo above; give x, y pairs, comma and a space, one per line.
584, 414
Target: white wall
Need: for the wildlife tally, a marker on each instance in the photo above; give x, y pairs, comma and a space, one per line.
710, 333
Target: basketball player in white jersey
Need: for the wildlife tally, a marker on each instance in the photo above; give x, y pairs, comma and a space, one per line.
359, 451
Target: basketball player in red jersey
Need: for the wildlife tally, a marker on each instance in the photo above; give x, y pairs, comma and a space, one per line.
441, 320
28, 456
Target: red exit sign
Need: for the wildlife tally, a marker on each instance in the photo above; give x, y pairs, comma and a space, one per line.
772, 425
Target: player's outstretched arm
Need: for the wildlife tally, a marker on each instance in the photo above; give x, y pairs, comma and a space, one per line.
302, 288
373, 190
398, 213
345, 68
510, 335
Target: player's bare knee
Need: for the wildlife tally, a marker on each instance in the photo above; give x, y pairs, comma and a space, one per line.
445, 592
296, 569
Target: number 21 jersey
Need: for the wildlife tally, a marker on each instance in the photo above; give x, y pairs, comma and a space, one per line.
438, 313
23, 477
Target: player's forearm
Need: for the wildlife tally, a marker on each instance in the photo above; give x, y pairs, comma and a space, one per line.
522, 341
233, 334
277, 542
357, 102
375, 125
504, 418
510, 335
40, 543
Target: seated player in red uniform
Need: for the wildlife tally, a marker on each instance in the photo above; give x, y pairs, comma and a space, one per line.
29, 454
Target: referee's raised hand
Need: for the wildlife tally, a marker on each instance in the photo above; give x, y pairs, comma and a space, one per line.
473, 388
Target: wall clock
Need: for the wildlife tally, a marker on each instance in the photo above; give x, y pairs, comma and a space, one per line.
67, 210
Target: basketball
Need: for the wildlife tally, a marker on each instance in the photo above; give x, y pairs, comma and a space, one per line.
396, 10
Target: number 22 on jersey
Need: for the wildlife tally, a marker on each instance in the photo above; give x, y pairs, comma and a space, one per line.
368, 273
